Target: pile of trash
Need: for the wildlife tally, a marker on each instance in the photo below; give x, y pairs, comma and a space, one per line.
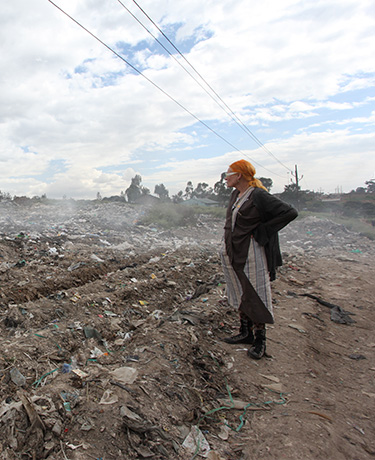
109, 334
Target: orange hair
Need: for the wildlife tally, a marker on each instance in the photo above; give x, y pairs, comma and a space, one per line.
248, 172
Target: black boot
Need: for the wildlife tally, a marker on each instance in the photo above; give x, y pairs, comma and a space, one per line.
246, 333
259, 347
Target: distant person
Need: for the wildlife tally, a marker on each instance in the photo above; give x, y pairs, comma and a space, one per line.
250, 253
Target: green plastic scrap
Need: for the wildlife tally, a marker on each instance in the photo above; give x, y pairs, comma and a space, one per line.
37, 382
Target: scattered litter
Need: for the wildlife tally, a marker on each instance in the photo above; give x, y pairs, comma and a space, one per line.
72, 446
195, 442
110, 313
237, 404
80, 374
276, 387
75, 298
125, 411
125, 375
224, 432
96, 258
338, 315
17, 377
271, 377
320, 415
359, 429
120, 299
96, 353
66, 368
91, 332
109, 398
157, 314
76, 266
357, 356
297, 327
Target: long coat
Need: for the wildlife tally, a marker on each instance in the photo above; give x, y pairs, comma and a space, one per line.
261, 216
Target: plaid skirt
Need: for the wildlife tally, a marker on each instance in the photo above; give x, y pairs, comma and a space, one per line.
256, 271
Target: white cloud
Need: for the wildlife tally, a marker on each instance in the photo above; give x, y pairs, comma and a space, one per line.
66, 98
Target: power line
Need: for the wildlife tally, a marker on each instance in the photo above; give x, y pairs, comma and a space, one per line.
170, 54
157, 86
231, 113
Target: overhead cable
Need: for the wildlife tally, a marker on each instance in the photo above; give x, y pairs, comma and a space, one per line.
156, 86
231, 113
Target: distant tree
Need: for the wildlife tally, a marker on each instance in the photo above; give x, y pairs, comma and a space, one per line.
293, 195
136, 190
98, 196
4, 196
370, 186
267, 182
291, 188
360, 190
221, 191
178, 198
188, 190
202, 190
133, 192
162, 192
145, 190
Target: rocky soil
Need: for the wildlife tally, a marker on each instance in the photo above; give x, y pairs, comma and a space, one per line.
111, 342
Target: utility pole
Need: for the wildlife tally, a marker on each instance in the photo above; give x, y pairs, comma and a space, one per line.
297, 179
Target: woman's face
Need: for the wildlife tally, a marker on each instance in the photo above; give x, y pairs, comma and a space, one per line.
231, 178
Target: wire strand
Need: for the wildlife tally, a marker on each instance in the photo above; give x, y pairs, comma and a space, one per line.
158, 87
231, 113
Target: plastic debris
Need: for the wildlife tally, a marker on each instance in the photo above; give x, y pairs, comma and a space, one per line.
90, 333
96, 353
195, 442
109, 398
66, 368
357, 356
96, 258
75, 297
80, 374
17, 377
125, 375
75, 266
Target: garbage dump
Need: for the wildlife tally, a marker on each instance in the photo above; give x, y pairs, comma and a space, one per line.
111, 341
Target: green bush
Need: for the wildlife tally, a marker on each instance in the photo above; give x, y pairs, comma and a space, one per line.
169, 215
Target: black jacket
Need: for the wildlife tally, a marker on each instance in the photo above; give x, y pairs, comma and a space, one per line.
261, 216
275, 214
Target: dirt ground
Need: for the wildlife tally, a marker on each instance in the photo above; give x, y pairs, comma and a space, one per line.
111, 342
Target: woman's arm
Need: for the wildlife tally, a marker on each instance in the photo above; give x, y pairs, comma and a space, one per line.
275, 215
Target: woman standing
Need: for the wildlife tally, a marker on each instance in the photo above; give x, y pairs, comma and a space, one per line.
250, 253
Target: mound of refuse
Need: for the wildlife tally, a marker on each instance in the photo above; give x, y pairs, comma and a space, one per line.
111, 341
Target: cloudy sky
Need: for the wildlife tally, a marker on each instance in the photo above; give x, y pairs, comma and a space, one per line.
285, 83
